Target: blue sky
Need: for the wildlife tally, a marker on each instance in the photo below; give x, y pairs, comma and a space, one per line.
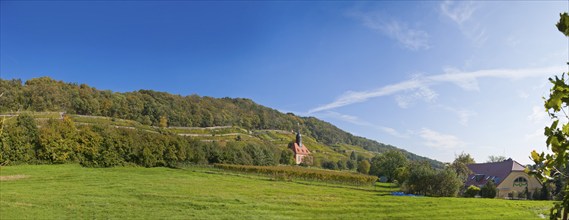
436, 78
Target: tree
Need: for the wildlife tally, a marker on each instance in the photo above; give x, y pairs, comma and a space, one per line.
163, 122
387, 163
351, 164
420, 178
472, 191
341, 164
287, 157
22, 140
550, 165
401, 174
488, 190
459, 165
363, 167
353, 155
446, 183
494, 159
464, 158
58, 141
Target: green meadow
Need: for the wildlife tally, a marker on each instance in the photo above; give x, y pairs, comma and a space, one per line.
74, 192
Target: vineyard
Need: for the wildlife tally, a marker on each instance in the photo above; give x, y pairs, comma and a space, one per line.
290, 173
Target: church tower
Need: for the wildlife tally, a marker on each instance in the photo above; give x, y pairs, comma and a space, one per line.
299, 138
300, 151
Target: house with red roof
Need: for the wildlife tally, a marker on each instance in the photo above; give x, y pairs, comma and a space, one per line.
300, 151
508, 175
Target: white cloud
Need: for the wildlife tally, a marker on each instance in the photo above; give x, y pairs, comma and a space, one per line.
410, 38
465, 80
458, 12
422, 93
357, 121
463, 115
523, 94
538, 133
461, 13
347, 118
351, 97
538, 115
513, 41
440, 141
392, 132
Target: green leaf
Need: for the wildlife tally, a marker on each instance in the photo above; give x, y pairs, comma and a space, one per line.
535, 157
563, 24
554, 125
565, 129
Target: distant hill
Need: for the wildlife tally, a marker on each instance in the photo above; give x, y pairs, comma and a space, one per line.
152, 108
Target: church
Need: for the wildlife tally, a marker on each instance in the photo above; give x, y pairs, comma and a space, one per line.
299, 149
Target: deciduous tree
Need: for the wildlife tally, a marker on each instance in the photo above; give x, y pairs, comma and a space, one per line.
387, 163
363, 167
494, 159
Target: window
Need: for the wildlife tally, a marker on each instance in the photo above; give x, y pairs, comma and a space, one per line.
497, 180
479, 177
520, 181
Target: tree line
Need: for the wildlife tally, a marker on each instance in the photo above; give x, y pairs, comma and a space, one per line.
61, 141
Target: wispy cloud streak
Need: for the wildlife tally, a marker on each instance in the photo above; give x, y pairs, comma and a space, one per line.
465, 80
357, 121
410, 38
461, 13
440, 141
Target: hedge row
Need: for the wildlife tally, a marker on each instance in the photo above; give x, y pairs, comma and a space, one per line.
301, 173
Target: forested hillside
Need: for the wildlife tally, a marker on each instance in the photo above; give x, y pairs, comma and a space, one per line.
166, 110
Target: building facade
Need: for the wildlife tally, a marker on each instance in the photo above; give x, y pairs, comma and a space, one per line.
508, 175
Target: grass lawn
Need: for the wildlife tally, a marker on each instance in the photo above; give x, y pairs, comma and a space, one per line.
73, 192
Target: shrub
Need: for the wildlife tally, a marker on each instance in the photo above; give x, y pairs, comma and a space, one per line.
544, 192
341, 164
536, 194
488, 190
472, 191
522, 195
329, 165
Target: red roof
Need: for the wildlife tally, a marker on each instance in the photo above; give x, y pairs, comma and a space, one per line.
483, 172
300, 150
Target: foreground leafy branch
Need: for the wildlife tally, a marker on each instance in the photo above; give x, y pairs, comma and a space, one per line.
553, 166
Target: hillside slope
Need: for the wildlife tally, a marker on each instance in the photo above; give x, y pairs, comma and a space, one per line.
162, 109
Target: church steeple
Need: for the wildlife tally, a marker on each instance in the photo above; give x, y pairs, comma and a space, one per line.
299, 137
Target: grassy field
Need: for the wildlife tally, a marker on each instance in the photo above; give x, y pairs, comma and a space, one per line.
73, 192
